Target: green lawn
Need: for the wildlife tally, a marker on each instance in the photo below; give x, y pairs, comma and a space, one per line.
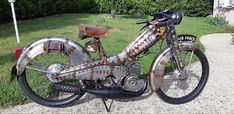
66, 25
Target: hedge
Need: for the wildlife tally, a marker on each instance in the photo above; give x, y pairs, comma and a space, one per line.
26, 9
196, 8
149, 7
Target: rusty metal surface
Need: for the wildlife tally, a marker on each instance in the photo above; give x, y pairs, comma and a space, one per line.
82, 66
96, 73
145, 40
53, 44
186, 46
158, 67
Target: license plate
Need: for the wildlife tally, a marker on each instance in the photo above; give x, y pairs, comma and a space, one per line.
187, 38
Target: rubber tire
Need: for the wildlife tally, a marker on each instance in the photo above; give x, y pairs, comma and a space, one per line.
42, 101
199, 87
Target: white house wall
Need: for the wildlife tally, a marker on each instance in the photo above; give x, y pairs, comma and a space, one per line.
229, 11
230, 16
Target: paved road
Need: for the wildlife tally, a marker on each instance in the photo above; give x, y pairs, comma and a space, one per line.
217, 97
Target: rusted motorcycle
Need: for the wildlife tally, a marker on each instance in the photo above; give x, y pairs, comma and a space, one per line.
56, 71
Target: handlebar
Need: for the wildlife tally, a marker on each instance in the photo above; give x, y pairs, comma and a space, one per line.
160, 24
165, 23
162, 19
142, 21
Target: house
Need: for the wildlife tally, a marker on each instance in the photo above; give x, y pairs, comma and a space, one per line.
224, 8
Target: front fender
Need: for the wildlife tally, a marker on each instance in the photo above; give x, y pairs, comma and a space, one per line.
160, 61
54, 44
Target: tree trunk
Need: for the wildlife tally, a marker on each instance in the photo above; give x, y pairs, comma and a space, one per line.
113, 8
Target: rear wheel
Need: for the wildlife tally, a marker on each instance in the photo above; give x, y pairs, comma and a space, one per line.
179, 88
38, 85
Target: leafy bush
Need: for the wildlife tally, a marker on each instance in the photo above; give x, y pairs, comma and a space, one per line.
197, 8
37, 8
137, 7
102, 22
149, 7
121, 5
218, 20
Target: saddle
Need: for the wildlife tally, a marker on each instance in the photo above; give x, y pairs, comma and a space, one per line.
88, 31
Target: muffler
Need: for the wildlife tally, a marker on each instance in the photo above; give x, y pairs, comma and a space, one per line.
115, 92
68, 88
105, 92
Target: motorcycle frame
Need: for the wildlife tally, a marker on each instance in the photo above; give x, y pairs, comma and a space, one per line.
87, 69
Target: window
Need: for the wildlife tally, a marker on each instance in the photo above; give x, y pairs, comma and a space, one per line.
232, 2
221, 3
225, 3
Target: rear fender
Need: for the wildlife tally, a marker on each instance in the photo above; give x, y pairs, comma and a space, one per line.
50, 45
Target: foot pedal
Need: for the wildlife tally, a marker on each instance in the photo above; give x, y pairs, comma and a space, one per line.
104, 100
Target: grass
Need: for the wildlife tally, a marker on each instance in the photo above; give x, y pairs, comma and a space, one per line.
66, 25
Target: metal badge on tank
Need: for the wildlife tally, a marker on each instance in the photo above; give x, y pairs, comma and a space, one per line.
152, 38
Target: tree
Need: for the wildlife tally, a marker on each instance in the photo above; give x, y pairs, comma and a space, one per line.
113, 8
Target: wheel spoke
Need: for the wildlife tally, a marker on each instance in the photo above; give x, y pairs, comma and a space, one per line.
36, 69
170, 73
177, 89
185, 57
190, 62
37, 65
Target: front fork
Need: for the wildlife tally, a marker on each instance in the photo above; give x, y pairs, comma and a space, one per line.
175, 51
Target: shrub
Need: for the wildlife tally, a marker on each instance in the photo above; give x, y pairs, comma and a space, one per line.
149, 7
38, 8
102, 22
138, 7
121, 6
197, 8
218, 20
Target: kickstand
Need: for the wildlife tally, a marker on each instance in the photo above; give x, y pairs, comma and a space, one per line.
104, 102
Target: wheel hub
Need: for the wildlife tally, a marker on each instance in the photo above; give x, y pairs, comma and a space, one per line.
54, 69
180, 74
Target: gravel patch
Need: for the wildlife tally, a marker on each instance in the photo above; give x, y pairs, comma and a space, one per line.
217, 97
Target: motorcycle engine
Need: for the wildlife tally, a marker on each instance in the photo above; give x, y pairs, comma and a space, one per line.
132, 81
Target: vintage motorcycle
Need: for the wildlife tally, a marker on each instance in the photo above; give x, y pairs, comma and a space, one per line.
56, 71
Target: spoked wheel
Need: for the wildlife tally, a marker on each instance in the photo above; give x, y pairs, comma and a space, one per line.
181, 87
38, 85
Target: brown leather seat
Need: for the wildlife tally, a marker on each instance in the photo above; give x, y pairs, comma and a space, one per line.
87, 31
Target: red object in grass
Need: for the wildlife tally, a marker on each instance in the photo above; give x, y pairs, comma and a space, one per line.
18, 52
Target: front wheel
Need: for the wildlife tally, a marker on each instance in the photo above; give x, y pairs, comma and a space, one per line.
178, 87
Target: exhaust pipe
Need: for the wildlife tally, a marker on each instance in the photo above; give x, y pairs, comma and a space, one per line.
106, 92
115, 92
